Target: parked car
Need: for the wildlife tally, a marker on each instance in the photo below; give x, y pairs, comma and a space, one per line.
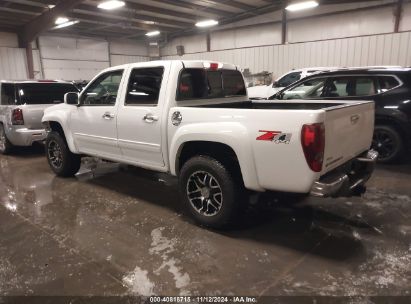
193, 119
390, 88
21, 108
266, 91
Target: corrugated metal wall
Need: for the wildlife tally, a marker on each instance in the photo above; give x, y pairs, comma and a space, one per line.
13, 65
387, 49
123, 59
81, 59
71, 58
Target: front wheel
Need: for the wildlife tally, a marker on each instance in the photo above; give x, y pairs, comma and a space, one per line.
5, 144
388, 143
61, 160
210, 192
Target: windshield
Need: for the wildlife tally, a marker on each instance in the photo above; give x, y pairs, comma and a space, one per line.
43, 93
288, 79
206, 84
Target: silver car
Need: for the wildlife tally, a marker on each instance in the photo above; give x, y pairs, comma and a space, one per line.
22, 104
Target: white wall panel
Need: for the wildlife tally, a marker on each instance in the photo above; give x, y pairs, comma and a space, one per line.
369, 22
72, 48
13, 64
128, 48
38, 74
8, 40
192, 44
72, 58
72, 69
124, 59
387, 49
405, 24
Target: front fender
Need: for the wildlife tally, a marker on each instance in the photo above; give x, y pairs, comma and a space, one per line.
231, 134
61, 115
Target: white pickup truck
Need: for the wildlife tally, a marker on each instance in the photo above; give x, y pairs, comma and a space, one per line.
193, 119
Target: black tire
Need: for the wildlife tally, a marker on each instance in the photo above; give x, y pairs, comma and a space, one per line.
389, 144
191, 175
63, 163
5, 145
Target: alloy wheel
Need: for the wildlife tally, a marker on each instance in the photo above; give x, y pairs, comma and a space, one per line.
2, 139
54, 154
204, 193
384, 143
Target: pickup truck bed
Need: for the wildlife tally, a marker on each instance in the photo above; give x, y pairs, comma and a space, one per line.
295, 105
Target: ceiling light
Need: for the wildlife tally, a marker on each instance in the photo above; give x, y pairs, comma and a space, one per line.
50, 6
61, 20
148, 22
301, 6
206, 23
111, 4
66, 24
151, 34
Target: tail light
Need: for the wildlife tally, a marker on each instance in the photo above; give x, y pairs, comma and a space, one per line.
17, 117
313, 142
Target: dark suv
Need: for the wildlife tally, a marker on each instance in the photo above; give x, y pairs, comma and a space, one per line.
390, 88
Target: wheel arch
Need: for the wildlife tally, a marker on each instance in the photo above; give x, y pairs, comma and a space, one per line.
221, 151
57, 126
381, 120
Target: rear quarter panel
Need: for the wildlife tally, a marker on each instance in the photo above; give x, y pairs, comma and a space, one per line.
265, 164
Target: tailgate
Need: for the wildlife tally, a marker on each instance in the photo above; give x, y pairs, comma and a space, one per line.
348, 133
32, 115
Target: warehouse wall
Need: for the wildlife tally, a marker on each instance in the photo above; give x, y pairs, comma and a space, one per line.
72, 58
12, 59
66, 58
81, 59
388, 49
355, 38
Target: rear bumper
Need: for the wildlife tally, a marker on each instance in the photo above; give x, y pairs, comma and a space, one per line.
25, 137
348, 179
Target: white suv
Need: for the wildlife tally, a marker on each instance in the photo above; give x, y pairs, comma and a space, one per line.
22, 104
266, 91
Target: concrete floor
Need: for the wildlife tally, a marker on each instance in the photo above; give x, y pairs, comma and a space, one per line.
121, 231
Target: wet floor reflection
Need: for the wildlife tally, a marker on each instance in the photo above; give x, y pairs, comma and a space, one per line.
130, 224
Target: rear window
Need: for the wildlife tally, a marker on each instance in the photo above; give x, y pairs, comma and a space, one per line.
387, 83
43, 93
7, 94
206, 84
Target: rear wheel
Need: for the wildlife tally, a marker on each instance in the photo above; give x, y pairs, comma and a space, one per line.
387, 141
210, 192
61, 160
5, 144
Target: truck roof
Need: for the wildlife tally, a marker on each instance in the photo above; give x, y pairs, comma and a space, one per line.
186, 63
36, 81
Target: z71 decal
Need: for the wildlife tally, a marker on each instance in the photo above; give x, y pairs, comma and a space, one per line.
277, 137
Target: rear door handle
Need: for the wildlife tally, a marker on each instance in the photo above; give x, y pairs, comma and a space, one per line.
108, 115
150, 118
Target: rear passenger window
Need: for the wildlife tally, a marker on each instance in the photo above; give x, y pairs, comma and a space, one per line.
8, 96
144, 86
350, 86
387, 83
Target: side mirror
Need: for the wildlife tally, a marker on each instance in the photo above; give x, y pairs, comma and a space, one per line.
275, 84
71, 98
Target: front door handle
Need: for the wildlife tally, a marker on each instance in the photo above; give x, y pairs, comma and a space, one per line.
108, 115
150, 118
